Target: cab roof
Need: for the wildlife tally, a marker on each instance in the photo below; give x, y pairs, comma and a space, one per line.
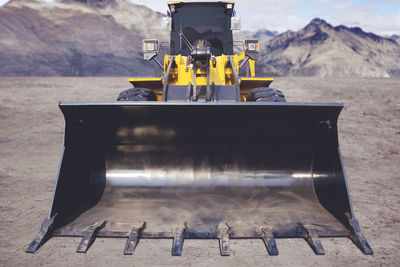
197, 3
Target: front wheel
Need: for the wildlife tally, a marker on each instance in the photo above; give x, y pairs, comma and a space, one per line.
265, 94
137, 94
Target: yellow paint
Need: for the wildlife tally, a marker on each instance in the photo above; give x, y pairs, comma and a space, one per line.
252, 64
220, 74
155, 84
256, 79
246, 84
145, 80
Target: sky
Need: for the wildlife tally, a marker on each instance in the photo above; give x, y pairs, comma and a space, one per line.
381, 17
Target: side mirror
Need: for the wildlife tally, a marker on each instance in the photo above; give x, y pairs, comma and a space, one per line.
150, 49
252, 49
236, 24
166, 23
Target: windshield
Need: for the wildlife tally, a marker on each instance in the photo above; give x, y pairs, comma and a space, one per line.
212, 34
210, 23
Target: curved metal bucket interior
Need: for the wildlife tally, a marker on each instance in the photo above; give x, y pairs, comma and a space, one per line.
202, 171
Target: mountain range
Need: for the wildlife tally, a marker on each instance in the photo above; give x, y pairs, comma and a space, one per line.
75, 38
103, 38
319, 49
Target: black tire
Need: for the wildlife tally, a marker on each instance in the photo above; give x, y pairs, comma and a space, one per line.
265, 94
137, 94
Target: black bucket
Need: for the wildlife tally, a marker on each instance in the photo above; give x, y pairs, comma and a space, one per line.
211, 170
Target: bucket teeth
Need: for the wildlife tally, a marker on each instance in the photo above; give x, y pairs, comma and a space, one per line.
177, 244
311, 236
223, 236
90, 236
43, 235
269, 239
133, 239
357, 236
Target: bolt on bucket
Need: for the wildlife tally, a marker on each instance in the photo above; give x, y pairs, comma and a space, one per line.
201, 171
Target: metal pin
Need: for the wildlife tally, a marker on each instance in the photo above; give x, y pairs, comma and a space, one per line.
357, 237
133, 239
90, 236
43, 235
311, 236
223, 236
177, 245
269, 240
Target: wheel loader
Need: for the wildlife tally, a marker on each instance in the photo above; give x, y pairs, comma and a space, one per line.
206, 151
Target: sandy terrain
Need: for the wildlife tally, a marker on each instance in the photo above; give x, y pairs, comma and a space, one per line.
31, 138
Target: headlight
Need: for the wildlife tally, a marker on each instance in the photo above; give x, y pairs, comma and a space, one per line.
236, 24
252, 45
252, 49
150, 48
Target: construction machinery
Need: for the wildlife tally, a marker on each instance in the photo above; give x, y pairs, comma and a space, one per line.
207, 151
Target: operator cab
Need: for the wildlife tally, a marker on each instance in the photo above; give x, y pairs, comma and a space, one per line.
206, 21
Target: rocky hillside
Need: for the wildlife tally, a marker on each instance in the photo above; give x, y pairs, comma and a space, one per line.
396, 38
103, 38
75, 37
319, 49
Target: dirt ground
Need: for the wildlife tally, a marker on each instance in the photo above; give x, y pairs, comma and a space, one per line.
31, 138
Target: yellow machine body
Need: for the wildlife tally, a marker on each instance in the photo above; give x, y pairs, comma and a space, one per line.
221, 73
